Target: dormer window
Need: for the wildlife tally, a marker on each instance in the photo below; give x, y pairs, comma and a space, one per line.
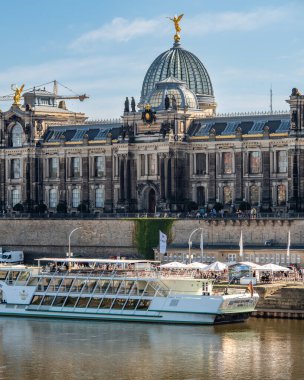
17, 135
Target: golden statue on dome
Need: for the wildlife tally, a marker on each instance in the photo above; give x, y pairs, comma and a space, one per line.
17, 96
176, 19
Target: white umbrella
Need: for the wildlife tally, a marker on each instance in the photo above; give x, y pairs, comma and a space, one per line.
217, 266
274, 268
174, 264
197, 265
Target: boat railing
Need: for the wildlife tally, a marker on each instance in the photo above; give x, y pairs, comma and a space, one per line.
117, 273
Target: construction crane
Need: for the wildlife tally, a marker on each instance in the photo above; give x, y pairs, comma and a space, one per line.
55, 91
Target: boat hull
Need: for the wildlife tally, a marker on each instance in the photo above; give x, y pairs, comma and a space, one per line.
166, 318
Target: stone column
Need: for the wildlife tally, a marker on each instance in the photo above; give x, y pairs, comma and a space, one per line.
238, 195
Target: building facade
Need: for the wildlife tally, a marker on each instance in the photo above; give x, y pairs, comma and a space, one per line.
170, 149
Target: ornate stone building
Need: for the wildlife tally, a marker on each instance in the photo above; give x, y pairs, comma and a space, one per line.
170, 149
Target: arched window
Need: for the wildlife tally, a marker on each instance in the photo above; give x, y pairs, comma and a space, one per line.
99, 197
227, 195
17, 135
281, 195
201, 196
75, 198
254, 195
16, 197
53, 198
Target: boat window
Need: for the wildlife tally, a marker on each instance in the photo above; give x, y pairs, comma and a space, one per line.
98, 288
65, 285
106, 303
77, 285
54, 284
14, 275
82, 302
126, 287
70, 302
150, 290
114, 286
59, 301
3, 274
47, 300
43, 284
130, 305
118, 303
33, 281
36, 300
143, 305
89, 285
94, 303
22, 278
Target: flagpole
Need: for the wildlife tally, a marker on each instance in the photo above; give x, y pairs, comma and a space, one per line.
241, 244
202, 246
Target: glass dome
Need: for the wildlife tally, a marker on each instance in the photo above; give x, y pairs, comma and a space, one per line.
184, 66
172, 87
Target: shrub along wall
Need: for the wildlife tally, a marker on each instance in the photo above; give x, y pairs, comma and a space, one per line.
146, 234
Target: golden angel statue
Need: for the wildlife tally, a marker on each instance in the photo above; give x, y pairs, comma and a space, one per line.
17, 96
176, 20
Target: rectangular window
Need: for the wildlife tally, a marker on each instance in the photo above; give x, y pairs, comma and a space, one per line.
254, 162
16, 197
200, 163
70, 302
82, 302
151, 164
142, 165
48, 300
94, 303
99, 166
227, 163
282, 161
15, 168
53, 198
75, 166
75, 197
99, 197
53, 167
59, 301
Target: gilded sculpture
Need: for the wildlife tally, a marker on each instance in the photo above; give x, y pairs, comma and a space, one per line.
176, 20
17, 95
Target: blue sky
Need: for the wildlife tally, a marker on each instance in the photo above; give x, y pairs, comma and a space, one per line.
104, 48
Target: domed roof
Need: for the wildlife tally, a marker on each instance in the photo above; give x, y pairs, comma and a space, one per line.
174, 89
183, 65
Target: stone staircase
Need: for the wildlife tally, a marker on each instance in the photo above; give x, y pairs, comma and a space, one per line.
287, 301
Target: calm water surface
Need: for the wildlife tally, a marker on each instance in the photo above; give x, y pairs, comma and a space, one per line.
54, 349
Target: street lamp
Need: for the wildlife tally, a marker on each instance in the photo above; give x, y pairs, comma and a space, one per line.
69, 254
190, 242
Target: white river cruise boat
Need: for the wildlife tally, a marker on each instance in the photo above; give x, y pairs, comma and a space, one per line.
124, 290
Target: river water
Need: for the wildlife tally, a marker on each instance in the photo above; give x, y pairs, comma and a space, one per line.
56, 349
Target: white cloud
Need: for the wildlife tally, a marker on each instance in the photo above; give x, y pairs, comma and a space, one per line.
123, 30
119, 30
210, 23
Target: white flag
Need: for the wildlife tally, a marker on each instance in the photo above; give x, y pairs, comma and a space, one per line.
288, 244
241, 244
162, 242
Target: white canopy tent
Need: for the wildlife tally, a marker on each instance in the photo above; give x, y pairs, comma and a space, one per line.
273, 268
217, 266
174, 265
197, 266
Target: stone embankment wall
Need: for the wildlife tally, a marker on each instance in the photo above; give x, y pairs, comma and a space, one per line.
116, 236
50, 237
227, 232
